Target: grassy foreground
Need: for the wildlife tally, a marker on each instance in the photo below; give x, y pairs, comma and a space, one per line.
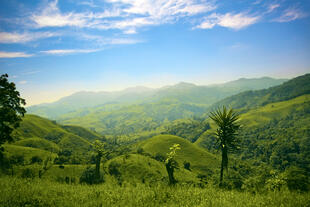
23, 192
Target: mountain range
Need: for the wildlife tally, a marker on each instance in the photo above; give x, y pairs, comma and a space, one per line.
185, 93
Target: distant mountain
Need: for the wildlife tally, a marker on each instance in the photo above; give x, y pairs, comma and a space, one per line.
185, 93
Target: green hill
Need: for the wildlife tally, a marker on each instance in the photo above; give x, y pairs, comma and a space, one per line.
83, 132
33, 126
250, 99
199, 159
276, 134
72, 143
136, 168
23, 155
38, 143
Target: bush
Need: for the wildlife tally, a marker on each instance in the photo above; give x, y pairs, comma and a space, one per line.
17, 160
187, 165
159, 157
36, 159
297, 179
140, 150
28, 173
89, 177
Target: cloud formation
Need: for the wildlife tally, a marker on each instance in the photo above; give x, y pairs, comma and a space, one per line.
100, 23
14, 54
128, 14
229, 20
14, 37
290, 14
66, 51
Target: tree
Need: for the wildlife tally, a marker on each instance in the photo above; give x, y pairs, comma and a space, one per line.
171, 164
99, 148
11, 109
226, 120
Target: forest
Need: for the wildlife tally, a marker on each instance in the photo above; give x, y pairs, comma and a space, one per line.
242, 143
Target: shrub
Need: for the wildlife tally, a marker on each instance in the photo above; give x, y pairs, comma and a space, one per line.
36, 159
159, 157
28, 173
89, 176
187, 165
297, 179
140, 150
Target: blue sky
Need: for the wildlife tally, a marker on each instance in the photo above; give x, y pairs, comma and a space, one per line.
53, 48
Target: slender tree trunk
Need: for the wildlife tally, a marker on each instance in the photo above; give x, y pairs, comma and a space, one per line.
221, 176
224, 163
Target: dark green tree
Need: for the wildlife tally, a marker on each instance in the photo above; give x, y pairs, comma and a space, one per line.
171, 164
99, 148
226, 133
11, 109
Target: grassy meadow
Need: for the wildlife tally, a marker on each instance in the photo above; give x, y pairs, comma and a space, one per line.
37, 192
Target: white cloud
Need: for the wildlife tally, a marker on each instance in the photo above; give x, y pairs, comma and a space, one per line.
233, 21
272, 7
13, 54
89, 3
70, 51
131, 14
103, 41
6, 37
290, 14
52, 17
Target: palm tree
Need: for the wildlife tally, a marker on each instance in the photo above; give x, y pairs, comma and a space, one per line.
226, 120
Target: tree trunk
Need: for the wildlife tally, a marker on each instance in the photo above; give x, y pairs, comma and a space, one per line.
224, 163
170, 171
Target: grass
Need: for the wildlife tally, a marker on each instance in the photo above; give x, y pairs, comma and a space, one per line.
26, 152
271, 111
136, 168
200, 160
38, 143
25, 192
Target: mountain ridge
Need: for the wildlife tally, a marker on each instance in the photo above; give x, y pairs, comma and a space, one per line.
181, 92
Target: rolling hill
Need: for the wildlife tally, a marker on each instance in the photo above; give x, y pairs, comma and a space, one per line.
37, 135
250, 99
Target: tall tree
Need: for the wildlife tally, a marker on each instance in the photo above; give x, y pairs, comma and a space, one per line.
226, 133
11, 108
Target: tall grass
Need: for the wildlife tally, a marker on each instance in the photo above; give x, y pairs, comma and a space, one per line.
25, 192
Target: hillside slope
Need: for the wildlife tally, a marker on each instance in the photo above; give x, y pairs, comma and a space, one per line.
250, 99
276, 134
72, 143
199, 159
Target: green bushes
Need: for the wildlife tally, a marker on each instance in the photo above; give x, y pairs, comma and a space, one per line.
89, 176
28, 173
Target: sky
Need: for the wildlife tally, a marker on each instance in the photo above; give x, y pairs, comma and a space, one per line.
53, 48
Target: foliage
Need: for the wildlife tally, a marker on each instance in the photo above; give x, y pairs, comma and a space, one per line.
226, 120
297, 179
11, 109
171, 164
89, 176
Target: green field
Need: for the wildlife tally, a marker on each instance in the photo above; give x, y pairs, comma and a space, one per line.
23, 192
